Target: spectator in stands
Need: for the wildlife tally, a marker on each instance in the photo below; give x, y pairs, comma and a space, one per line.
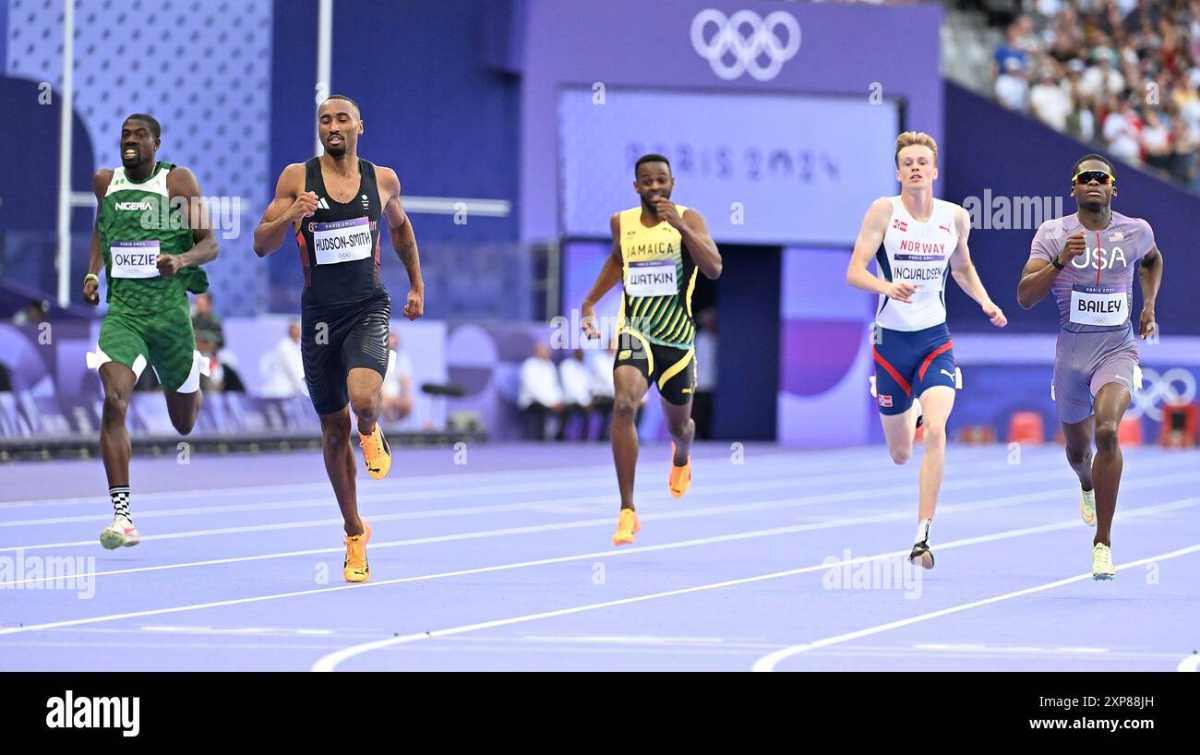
540, 395
398, 383
1144, 15
1183, 146
1121, 128
1081, 123
577, 393
1194, 29
1010, 55
1051, 100
33, 313
205, 319
283, 368
1129, 68
1156, 142
1012, 90
1186, 101
1066, 37
1028, 38
1048, 8
222, 375
1101, 80
600, 369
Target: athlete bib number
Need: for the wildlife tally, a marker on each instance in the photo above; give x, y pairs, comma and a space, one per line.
342, 241
134, 259
651, 279
925, 274
1098, 306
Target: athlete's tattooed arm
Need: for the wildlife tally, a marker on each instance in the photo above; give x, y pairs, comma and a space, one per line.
965, 274
290, 205
404, 241
1150, 274
181, 183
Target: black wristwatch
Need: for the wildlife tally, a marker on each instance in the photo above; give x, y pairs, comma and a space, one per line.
1057, 265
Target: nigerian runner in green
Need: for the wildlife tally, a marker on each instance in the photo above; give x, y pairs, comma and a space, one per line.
151, 236
148, 319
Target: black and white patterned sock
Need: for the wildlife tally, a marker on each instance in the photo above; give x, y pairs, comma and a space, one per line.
120, 501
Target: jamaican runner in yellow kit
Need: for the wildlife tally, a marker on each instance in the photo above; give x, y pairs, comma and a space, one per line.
658, 249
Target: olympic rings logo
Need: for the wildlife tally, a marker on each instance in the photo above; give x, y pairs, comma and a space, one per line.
1159, 390
747, 50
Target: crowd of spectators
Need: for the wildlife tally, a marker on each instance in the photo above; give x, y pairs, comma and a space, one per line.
1120, 75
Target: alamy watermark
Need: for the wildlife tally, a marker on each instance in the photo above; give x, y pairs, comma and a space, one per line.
566, 332
216, 213
1017, 213
71, 711
847, 573
74, 573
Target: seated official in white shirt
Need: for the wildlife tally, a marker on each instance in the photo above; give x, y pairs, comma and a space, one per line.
397, 384
577, 393
282, 367
540, 395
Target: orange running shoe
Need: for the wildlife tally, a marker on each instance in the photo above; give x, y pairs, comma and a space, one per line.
355, 568
376, 453
627, 526
681, 477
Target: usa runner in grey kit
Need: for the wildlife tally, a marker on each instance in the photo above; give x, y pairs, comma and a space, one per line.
1087, 261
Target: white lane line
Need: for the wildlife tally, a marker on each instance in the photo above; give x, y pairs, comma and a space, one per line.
986, 503
1190, 663
725, 473
434, 481
1007, 649
737, 487
611, 553
170, 647
236, 631
482, 534
326, 501
569, 486
623, 639
709, 490
331, 661
460, 478
771, 660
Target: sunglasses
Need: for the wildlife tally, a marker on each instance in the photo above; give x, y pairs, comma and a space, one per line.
1088, 176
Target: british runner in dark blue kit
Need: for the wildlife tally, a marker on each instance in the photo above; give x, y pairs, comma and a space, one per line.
333, 204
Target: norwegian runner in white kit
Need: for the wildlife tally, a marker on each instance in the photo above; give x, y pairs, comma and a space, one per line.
1087, 261
916, 241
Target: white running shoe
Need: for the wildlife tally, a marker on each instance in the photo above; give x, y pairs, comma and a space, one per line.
120, 532
1087, 506
921, 555
1102, 565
